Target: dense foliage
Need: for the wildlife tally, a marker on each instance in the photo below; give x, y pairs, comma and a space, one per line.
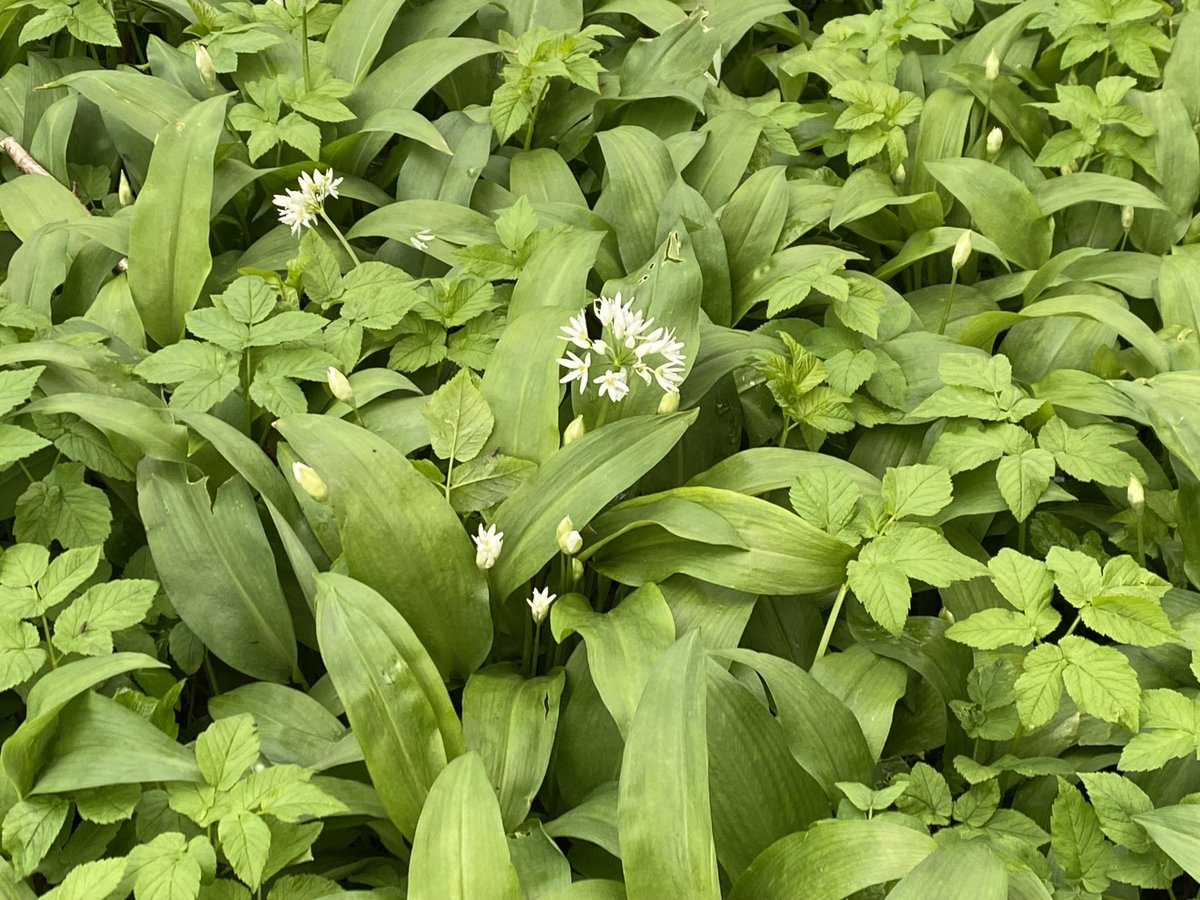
575, 449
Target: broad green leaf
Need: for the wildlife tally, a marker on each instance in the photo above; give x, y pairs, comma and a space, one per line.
758, 792
147, 427
217, 568
458, 418
991, 629
623, 645
1134, 620
577, 481
392, 692
970, 866
459, 850
406, 76
16, 386
30, 828
869, 684
168, 236
169, 867
510, 721
86, 626
665, 823
639, 173
246, 842
1023, 478
17, 443
828, 499
1088, 454
356, 36
1024, 581
1101, 681
1170, 728
94, 880
100, 742
292, 726
105, 805
226, 749
927, 795
426, 569
1039, 688
65, 573
62, 507
486, 481
828, 859
1079, 846
1176, 831
918, 490
1001, 207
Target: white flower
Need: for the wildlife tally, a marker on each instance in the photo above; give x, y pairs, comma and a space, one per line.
488, 545
312, 483
421, 240
576, 332
300, 209
669, 377
962, 251
613, 384
576, 368
324, 184
539, 603
569, 540
339, 385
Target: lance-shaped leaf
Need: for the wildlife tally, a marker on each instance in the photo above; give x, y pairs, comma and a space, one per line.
400, 537
664, 822
394, 697
217, 568
168, 235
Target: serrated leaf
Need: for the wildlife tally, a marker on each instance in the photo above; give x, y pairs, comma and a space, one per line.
1023, 478
968, 447
919, 490
377, 295
882, 590
67, 572
17, 443
94, 880
321, 276
62, 507
1170, 729
1116, 801
1077, 575
29, 829
226, 749
105, 805
1023, 581
1039, 687
991, 629
1087, 454
168, 867
458, 418
977, 804
516, 224
486, 481
1129, 620
246, 843
287, 326
248, 299
16, 385
86, 626
1101, 681
826, 498
23, 565
21, 655
1078, 844
927, 797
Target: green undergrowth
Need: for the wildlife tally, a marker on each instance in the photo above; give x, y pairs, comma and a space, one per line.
599, 449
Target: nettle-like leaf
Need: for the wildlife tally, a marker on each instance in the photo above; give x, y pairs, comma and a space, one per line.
1078, 842
170, 867
1090, 453
874, 118
1099, 679
87, 625
1099, 123
64, 508
88, 21
1028, 586
977, 387
1170, 729
828, 498
870, 800
926, 795
459, 419
202, 374
990, 714
29, 829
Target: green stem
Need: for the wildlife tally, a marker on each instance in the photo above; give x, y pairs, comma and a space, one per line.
1074, 625
1141, 546
212, 675
449, 473
338, 233
949, 302
527, 645
49, 643
787, 427
1021, 535
833, 614
533, 120
537, 648
246, 404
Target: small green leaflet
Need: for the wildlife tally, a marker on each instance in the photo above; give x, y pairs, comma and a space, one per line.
226, 749
919, 490
458, 418
1088, 453
1099, 679
1117, 800
246, 843
1079, 846
828, 499
927, 796
21, 655
1170, 729
170, 867
29, 829
86, 626
62, 507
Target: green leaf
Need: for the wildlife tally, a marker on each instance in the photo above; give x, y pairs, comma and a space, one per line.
393, 694
881, 588
246, 842
1039, 687
927, 795
94, 880
623, 645
1101, 681
17, 443
226, 749
217, 568
487, 480
29, 829
23, 565
105, 805
458, 418
828, 499
1075, 835
1175, 830
1088, 453
1077, 575
21, 655
1117, 801
169, 257
971, 866
916, 491
991, 629
1023, 581
828, 860
511, 722
1129, 620
665, 824
86, 626
62, 507
1023, 478
426, 569
1170, 728
16, 385
169, 867
459, 850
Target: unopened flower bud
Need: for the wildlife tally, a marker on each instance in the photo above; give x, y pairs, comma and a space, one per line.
312, 483
995, 140
204, 65
899, 174
574, 431
124, 191
991, 66
962, 251
669, 403
1136, 495
539, 603
1068, 169
569, 540
576, 571
946, 616
340, 385
1127, 217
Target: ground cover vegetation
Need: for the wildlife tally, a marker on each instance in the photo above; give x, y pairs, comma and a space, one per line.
599, 449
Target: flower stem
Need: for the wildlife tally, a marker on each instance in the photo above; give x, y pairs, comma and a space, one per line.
949, 302
342, 238
49, 643
537, 647
833, 614
304, 45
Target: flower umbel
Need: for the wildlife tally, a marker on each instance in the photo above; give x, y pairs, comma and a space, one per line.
539, 604
488, 544
300, 209
628, 345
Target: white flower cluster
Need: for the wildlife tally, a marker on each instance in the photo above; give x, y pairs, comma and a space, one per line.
300, 209
488, 544
630, 346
